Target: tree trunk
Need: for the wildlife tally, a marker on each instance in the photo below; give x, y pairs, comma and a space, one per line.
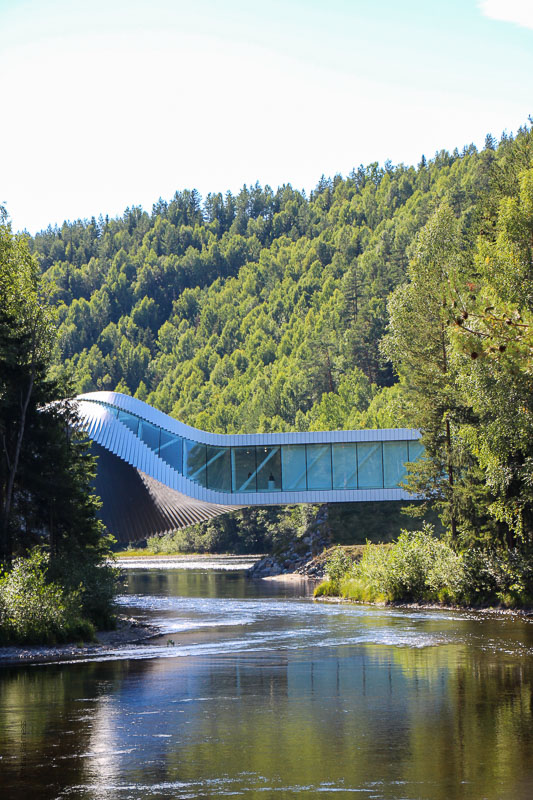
453, 521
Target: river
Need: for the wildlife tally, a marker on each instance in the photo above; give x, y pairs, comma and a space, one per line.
254, 690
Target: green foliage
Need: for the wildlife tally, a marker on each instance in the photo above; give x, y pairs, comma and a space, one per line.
256, 312
420, 568
278, 528
249, 530
498, 330
45, 466
460, 337
503, 576
337, 565
327, 588
417, 567
35, 610
89, 571
26, 337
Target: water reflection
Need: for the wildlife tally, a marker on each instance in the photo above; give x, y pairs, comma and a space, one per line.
331, 713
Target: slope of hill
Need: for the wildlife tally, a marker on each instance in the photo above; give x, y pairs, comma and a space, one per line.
265, 311
262, 311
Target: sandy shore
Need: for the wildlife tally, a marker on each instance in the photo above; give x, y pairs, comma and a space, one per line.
128, 631
291, 577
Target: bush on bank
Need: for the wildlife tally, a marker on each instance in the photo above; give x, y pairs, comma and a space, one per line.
35, 610
418, 567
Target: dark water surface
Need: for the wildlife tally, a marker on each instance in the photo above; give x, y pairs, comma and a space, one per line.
252, 690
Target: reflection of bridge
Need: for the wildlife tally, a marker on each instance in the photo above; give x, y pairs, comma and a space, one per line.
156, 474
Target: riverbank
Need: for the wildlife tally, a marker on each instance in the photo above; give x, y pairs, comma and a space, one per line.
526, 613
129, 630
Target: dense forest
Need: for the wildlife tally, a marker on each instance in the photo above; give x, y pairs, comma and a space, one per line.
262, 311
271, 310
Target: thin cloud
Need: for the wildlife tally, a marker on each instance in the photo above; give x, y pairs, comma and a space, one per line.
520, 12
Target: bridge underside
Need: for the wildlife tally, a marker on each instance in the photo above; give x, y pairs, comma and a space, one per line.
135, 505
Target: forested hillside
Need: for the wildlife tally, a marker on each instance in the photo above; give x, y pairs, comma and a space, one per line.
262, 311
395, 296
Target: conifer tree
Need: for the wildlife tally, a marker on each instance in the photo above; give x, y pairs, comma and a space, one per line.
45, 465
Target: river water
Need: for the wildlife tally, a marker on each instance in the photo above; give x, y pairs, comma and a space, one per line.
254, 690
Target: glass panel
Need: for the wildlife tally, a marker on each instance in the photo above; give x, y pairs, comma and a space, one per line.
194, 461
129, 420
268, 469
394, 457
369, 466
171, 450
344, 466
219, 468
318, 466
150, 435
293, 467
416, 450
243, 469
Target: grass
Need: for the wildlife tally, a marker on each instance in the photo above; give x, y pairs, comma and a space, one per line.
134, 552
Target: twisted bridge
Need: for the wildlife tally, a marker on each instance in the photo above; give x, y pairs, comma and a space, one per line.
156, 474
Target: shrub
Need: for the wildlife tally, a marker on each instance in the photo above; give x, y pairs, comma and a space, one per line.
420, 567
327, 589
94, 583
352, 588
338, 565
417, 567
499, 576
34, 610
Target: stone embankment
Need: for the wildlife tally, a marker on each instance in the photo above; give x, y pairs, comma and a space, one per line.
308, 565
304, 556
288, 564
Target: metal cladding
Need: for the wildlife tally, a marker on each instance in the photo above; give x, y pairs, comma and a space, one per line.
156, 474
135, 506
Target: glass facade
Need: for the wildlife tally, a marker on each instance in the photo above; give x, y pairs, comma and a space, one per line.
394, 457
218, 475
268, 468
275, 468
243, 469
369, 465
194, 461
129, 420
318, 458
149, 434
171, 450
344, 465
293, 469
416, 450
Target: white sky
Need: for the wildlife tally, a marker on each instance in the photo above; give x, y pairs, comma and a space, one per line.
118, 102
518, 11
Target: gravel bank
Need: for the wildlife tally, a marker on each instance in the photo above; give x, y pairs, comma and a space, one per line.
128, 631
